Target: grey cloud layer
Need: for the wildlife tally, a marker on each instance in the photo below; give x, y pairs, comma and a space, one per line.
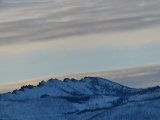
140, 76
137, 77
38, 20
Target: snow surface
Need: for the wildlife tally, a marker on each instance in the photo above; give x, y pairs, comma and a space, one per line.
90, 98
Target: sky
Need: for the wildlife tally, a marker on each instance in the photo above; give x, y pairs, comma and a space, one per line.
40, 38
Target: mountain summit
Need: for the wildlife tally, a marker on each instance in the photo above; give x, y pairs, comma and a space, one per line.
87, 86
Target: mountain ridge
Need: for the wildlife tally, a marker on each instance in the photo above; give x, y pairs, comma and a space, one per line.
88, 98
71, 87
87, 86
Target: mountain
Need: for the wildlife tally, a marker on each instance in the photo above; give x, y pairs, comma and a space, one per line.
87, 86
89, 98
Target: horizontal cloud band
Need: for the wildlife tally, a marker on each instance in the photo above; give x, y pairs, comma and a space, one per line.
28, 21
137, 77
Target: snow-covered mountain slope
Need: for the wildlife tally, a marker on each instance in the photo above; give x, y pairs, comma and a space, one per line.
91, 98
69, 87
